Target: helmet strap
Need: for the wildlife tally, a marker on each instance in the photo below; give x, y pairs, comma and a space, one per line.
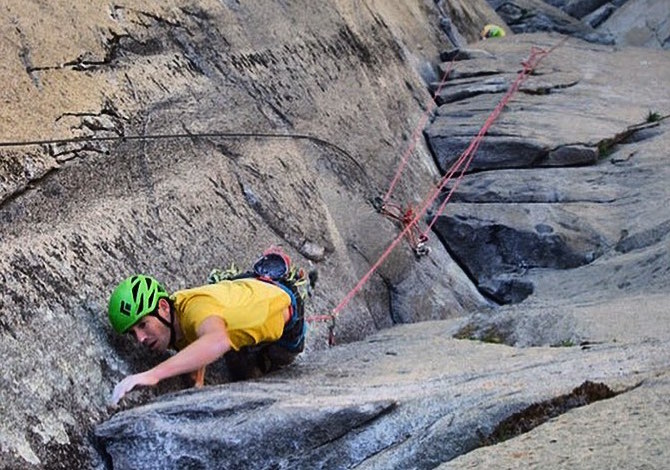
169, 324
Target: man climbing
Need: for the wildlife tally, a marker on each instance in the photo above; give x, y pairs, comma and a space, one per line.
492, 31
205, 323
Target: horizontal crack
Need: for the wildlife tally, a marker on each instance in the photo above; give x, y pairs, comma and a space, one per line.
605, 146
545, 90
464, 200
539, 413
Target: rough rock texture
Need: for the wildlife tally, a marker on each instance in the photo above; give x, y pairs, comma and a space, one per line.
622, 22
320, 99
556, 184
640, 23
408, 397
611, 434
528, 16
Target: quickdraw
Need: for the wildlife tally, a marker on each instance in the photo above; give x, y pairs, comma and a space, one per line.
405, 217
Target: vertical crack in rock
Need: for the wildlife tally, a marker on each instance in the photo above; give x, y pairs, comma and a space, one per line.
24, 54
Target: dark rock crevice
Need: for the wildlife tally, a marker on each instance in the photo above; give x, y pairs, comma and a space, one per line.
24, 55
546, 89
539, 413
21, 189
87, 61
632, 134
497, 256
464, 266
644, 238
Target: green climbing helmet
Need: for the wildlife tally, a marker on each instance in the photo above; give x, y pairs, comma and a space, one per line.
133, 299
492, 31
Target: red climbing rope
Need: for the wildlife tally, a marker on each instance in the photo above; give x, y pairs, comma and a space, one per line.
536, 56
410, 218
417, 132
394, 211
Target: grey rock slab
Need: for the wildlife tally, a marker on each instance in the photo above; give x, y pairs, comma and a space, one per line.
614, 299
628, 431
506, 226
527, 16
597, 17
492, 239
537, 224
407, 397
644, 23
580, 8
580, 97
558, 185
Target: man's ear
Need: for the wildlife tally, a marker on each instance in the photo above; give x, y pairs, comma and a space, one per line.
164, 308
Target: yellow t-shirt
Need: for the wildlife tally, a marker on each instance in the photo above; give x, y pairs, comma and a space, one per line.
253, 310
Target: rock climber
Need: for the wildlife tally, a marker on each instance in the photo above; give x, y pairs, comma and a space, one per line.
204, 323
492, 31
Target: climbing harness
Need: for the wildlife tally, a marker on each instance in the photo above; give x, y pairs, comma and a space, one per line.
275, 267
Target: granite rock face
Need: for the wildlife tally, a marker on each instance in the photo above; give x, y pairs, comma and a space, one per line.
407, 397
622, 22
559, 169
189, 136
642, 23
268, 123
530, 16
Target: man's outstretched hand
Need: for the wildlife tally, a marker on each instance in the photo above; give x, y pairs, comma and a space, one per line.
212, 343
130, 382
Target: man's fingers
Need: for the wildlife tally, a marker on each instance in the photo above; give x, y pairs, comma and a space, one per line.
117, 395
121, 389
129, 383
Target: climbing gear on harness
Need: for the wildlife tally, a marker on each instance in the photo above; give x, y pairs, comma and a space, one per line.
218, 275
134, 298
276, 268
492, 31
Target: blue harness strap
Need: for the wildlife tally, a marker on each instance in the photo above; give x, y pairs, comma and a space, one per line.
294, 304
292, 344
290, 340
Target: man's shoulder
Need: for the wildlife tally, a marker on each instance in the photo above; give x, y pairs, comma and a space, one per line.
196, 298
